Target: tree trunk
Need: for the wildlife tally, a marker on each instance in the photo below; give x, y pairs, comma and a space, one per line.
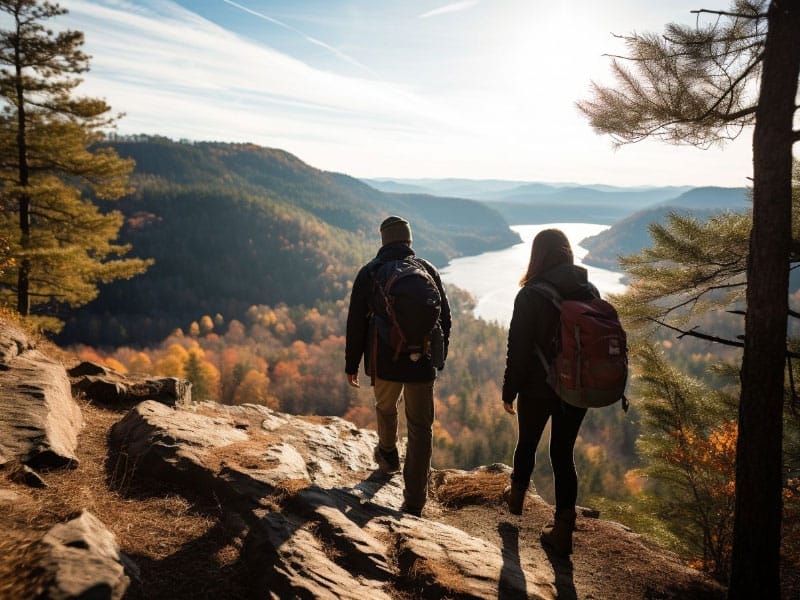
24, 268
755, 567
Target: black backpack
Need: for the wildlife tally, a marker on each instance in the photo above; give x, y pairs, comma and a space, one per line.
406, 303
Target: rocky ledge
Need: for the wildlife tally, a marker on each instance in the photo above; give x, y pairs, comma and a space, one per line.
313, 517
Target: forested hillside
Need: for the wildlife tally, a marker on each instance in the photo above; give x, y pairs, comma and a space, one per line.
233, 225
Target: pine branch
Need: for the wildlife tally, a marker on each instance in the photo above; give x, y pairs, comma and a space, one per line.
696, 298
697, 334
710, 338
744, 112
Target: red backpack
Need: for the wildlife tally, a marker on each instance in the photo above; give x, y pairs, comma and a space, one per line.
590, 367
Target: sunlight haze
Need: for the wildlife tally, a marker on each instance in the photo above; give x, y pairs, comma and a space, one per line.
476, 88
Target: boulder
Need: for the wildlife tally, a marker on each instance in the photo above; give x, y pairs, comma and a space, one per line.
90, 368
82, 560
106, 386
39, 419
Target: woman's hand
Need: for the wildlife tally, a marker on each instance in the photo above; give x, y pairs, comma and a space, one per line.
509, 408
352, 379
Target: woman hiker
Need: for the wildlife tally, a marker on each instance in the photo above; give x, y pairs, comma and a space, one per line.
534, 324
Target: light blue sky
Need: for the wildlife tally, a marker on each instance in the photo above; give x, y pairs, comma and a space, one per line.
391, 88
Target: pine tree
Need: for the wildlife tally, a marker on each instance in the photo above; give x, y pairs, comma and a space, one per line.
51, 167
689, 438
702, 85
692, 269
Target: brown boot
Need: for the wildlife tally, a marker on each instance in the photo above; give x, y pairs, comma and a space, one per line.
558, 535
515, 498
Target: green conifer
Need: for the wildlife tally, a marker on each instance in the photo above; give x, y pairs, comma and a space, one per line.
51, 167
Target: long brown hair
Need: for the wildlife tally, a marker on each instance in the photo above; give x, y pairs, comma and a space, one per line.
550, 248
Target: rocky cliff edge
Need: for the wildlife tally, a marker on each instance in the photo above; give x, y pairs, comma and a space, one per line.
122, 487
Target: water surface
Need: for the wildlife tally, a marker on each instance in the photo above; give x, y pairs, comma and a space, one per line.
493, 277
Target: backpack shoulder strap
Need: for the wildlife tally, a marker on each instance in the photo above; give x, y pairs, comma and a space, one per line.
373, 266
549, 291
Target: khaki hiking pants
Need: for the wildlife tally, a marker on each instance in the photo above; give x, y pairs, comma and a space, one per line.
418, 399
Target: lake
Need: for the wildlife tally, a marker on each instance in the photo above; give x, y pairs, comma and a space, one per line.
493, 277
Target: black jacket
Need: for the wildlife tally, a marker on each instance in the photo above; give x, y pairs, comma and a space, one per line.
534, 321
360, 330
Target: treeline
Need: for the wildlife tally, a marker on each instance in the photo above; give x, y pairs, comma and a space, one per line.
292, 359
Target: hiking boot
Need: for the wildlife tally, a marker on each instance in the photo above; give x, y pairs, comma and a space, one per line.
417, 512
388, 462
558, 535
514, 498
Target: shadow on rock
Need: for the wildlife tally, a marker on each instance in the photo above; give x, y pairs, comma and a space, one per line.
207, 567
512, 578
562, 568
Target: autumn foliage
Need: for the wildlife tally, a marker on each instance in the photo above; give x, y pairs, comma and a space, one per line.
292, 359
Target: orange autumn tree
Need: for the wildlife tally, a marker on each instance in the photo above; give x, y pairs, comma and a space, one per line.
254, 389
689, 440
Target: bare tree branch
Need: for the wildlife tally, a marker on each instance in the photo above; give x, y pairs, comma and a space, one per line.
696, 298
723, 13
711, 338
791, 313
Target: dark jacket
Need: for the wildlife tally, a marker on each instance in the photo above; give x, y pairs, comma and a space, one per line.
360, 330
535, 321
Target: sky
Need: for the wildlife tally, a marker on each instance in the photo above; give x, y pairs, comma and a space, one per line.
480, 89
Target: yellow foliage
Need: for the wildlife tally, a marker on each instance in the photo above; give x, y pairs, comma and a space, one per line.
169, 366
440, 434
113, 363
594, 453
140, 363
206, 325
178, 352
254, 390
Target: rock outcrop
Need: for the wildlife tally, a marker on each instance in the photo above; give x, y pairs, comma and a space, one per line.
319, 522
311, 516
101, 384
39, 419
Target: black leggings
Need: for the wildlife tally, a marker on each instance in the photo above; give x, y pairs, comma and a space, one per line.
532, 415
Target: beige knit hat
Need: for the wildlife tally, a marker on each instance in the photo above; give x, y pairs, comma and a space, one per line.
395, 229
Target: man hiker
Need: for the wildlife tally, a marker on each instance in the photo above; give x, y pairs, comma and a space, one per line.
399, 321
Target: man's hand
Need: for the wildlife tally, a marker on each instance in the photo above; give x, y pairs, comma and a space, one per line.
509, 408
352, 379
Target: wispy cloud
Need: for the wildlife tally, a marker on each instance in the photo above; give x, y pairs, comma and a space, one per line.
174, 73
448, 8
312, 40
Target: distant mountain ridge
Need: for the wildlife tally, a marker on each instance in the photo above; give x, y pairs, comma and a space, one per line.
233, 225
521, 202
631, 235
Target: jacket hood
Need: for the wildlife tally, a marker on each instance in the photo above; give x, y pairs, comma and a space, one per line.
569, 280
394, 251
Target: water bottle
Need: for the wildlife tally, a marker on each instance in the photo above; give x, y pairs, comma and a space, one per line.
437, 347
